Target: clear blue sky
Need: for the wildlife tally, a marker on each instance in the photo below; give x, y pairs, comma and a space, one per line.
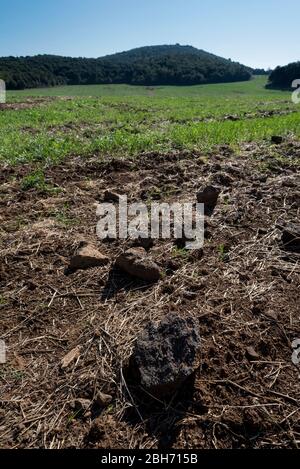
259, 33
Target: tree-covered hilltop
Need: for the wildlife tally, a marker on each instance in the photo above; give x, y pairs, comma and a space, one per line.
149, 66
261, 72
283, 77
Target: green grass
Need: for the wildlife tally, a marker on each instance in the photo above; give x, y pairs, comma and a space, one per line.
34, 180
253, 87
121, 120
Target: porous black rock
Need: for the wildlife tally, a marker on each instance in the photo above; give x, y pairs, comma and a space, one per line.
167, 354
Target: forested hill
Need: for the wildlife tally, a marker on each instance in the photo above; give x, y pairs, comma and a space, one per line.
283, 77
149, 66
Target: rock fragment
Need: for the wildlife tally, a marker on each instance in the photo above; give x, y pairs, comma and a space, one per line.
82, 407
145, 243
167, 354
103, 399
251, 354
87, 257
70, 357
110, 196
209, 197
276, 139
290, 237
136, 263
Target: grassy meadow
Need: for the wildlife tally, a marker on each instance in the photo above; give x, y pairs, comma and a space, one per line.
121, 120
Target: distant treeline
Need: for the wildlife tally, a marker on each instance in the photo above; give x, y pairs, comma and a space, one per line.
283, 77
261, 71
149, 66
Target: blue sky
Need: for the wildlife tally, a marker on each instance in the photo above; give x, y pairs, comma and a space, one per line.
259, 33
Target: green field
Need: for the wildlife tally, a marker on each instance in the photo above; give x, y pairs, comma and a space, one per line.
120, 120
255, 87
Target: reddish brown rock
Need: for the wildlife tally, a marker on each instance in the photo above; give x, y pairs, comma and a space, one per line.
86, 257
136, 263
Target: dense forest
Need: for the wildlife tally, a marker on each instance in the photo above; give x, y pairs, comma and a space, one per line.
261, 71
283, 77
149, 66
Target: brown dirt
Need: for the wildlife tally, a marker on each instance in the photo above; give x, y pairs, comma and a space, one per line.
27, 103
243, 289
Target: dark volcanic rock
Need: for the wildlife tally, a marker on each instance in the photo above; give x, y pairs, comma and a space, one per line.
209, 197
291, 237
145, 243
136, 263
277, 139
167, 354
110, 196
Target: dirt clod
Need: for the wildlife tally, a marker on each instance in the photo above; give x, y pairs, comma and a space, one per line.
277, 139
223, 179
110, 196
291, 237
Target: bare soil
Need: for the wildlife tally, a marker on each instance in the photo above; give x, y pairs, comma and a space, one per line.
243, 289
27, 103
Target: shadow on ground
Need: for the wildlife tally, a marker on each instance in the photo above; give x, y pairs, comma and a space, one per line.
161, 418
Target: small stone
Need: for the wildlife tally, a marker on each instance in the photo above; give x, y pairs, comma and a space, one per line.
136, 263
209, 197
145, 243
86, 257
277, 139
167, 354
110, 196
103, 399
271, 315
70, 357
251, 354
291, 237
82, 406
173, 265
